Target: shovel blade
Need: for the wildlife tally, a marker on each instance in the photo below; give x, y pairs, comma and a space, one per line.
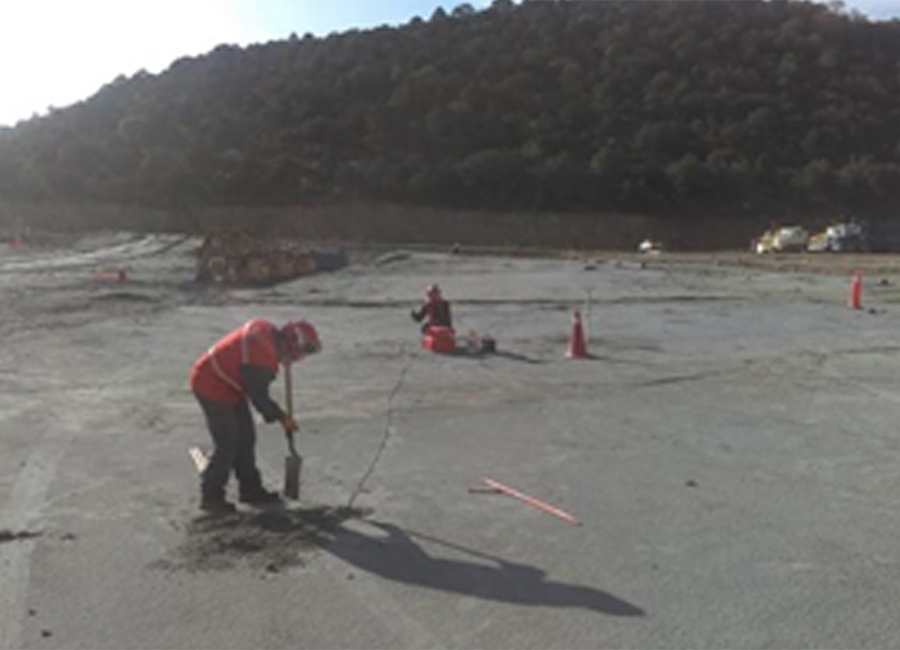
292, 465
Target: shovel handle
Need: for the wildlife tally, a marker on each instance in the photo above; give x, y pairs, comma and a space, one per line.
288, 390
290, 440
289, 404
293, 462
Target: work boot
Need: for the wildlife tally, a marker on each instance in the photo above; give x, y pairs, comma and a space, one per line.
260, 497
216, 505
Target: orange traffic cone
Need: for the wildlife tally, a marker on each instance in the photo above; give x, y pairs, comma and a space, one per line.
855, 300
577, 344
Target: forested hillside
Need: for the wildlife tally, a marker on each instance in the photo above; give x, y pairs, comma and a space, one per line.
585, 106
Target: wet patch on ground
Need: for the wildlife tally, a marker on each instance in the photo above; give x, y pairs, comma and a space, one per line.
270, 540
12, 536
125, 296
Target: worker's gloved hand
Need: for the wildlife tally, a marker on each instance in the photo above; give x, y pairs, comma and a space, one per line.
290, 426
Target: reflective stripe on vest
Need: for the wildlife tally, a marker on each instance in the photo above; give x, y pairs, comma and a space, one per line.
245, 357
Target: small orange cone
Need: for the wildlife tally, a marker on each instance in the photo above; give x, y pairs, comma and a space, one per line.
855, 300
577, 344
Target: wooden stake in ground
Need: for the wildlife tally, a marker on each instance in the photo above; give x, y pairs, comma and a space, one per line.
292, 462
199, 458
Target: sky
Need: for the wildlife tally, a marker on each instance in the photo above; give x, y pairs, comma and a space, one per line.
57, 52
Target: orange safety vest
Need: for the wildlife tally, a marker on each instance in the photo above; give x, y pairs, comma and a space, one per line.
216, 375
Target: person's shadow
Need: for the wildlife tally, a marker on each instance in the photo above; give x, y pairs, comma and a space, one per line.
398, 557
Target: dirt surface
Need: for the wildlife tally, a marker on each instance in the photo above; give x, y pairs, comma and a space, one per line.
272, 540
813, 263
730, 449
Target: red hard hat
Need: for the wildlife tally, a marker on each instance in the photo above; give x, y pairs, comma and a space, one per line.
433, 292
301, 338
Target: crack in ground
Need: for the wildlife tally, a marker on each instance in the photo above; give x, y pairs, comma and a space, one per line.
678, 379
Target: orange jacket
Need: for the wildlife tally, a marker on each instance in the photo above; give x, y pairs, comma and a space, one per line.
217, 374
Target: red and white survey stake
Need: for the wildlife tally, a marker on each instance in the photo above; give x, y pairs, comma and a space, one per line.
495, 487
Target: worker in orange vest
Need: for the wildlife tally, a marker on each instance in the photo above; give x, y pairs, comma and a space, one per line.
237, 370
435, 310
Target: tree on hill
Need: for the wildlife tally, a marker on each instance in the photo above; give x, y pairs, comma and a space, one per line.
658, 107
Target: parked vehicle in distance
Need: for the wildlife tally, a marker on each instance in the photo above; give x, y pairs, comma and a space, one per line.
650, 247
782, 240
849, 237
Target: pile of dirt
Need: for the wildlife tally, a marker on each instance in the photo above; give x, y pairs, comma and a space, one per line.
268, 540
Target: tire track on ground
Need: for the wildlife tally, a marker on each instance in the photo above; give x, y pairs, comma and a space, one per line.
28, 499
22, 511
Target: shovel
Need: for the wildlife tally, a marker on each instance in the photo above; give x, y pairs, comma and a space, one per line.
293, 462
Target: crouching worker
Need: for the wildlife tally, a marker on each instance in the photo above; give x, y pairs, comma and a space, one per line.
435, 311
235, 372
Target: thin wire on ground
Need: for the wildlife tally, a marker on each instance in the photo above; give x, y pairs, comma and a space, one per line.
388, 429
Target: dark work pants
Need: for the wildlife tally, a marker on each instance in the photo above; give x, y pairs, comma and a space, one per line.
234, 436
